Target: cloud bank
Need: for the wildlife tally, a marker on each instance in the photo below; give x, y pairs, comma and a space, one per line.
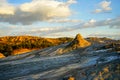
34, 11
111, 23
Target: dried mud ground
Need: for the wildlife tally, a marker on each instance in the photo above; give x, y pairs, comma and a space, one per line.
91, 65
107, 71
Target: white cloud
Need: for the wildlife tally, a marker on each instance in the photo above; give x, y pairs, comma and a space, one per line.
6, 8
104, 6
71, 2
90, 23
112, 23
47, 8
64, 20
43, 31
34, 11
98, 11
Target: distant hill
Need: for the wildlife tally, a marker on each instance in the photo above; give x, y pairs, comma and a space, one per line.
99, 40
10, 43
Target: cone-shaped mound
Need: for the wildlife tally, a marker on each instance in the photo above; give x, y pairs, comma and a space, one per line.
79, 42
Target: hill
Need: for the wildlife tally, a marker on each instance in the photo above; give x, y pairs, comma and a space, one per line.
10, 44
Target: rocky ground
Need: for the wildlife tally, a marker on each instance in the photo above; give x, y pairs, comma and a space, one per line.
93, 62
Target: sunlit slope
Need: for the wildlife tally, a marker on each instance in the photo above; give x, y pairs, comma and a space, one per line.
11, 44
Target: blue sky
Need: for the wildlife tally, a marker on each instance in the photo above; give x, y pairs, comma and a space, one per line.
60, 18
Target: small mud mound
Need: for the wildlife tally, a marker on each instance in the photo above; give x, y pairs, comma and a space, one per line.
79, 42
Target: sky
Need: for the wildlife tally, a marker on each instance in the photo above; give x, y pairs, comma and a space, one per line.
60, 18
